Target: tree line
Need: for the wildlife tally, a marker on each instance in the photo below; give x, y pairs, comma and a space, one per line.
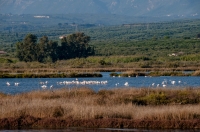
45, 50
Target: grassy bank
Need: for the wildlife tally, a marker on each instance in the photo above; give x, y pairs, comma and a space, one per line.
55, 75
104, 63
125, 108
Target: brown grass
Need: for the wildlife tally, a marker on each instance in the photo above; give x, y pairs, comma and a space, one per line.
86, 104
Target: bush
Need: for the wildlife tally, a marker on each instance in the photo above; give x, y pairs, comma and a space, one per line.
58, 112
114, 74
157, 99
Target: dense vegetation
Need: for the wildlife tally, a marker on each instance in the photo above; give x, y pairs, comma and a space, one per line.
72, 46
173, 45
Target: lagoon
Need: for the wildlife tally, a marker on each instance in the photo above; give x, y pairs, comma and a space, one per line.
21, 85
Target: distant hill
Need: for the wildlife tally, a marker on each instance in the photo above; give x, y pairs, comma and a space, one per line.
150, 8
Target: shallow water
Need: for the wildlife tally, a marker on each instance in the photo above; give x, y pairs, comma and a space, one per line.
30, 84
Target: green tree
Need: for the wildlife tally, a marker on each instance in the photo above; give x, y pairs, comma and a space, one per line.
75, 45
42, 49
53, 50
47, 50
72, 46
26, 50
20, 53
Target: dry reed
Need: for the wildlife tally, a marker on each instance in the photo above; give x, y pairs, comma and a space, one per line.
84, 103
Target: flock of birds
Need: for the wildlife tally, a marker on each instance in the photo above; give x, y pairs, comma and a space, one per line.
165, 83
76, 82
44, 85
8, 84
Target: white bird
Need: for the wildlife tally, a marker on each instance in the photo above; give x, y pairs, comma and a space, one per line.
164, 85
163, 82
8, 84
51, 86
153, 84
116, 84
41, 82
16, 84
173, 82
126, 84
179, 81
44, 86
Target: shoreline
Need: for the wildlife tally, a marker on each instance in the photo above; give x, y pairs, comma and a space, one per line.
98, 74
62, 75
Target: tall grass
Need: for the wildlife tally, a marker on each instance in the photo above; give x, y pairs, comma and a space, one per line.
84, 103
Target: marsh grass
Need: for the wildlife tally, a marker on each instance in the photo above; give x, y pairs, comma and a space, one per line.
124, 103
154, 73
46, 75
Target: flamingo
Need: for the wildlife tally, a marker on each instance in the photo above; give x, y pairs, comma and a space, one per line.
173, 82
44, 86
126, 84
8, 84
16, 84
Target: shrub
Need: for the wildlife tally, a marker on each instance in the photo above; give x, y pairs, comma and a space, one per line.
157, 99
114, 74
58, 112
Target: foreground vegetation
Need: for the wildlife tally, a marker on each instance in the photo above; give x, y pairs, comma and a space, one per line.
125, 108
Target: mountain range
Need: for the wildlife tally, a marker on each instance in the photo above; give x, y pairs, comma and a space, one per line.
150, 8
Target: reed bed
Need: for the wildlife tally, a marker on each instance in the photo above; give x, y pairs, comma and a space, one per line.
56, 75
84, 103
55, 70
